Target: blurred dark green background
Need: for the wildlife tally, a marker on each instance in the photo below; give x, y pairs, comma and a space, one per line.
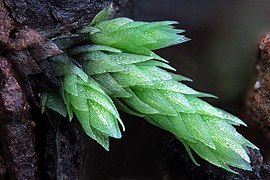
220, 59
224, 36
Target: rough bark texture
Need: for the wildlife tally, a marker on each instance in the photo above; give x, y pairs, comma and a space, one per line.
54, 16
26, 30
259, 101
65, 149
16, 127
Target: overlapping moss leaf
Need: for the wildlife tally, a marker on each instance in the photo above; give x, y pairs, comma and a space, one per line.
137, 37
147, 90
83, 97
137, 80
120, 59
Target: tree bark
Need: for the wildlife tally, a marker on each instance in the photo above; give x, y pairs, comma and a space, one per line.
259, 99
35, 146
16, 127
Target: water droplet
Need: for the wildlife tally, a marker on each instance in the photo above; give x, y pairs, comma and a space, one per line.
257, 85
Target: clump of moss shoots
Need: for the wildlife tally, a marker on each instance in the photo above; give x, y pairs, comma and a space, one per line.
119, 70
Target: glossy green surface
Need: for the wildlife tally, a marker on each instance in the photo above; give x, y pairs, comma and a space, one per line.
121, 67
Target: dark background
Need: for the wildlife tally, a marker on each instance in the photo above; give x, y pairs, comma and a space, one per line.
220, 59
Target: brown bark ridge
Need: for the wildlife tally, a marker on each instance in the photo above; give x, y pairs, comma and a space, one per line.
28, 29
16, 127
65, 149
259, 99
